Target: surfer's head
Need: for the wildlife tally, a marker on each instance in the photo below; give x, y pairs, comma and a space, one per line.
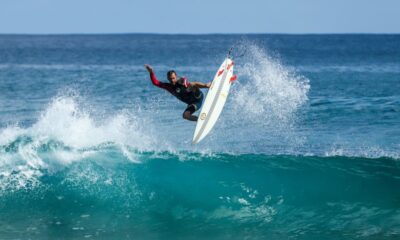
171, 75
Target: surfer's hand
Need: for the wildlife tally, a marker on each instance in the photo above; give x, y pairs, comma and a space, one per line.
148, 68
208, 85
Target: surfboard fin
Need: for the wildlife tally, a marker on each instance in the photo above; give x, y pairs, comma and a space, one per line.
233, 78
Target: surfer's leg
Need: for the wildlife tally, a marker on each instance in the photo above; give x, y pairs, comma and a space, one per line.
191, 108
188, 113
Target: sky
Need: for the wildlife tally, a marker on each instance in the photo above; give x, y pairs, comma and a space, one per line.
199, 16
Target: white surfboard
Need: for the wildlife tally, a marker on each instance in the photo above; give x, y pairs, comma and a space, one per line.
215, 100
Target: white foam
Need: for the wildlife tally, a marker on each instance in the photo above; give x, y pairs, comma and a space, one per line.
361, 151
9, 134
64, 121
68, 133
242, 209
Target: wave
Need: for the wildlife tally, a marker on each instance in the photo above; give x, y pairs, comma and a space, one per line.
66, 134
27, 159
282, 194
75, 169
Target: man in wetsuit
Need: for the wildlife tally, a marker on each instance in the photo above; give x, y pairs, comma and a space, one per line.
181, 88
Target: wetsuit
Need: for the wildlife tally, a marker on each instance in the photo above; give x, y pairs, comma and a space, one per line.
182, 90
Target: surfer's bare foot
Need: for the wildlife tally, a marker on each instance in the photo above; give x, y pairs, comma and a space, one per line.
148, 68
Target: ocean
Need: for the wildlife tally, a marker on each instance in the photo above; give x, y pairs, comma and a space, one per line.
307, 146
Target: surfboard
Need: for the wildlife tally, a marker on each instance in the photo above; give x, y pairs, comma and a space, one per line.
215, 100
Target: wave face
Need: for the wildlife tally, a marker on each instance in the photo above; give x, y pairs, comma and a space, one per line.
307, 146
188, 194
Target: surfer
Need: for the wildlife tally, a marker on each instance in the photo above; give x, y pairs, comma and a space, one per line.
181, 88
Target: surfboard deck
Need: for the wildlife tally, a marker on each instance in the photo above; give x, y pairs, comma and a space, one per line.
215, 100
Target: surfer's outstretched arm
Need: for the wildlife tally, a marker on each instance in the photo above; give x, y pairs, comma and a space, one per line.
154, 80
152, 76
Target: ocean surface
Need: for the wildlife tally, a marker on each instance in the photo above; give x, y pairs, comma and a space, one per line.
307, 147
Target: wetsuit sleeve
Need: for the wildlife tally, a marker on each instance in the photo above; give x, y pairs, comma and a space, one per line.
155, 81
159, 84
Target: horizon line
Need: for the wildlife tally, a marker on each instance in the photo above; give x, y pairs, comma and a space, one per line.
248, 33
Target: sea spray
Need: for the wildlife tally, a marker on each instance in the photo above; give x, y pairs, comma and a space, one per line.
265, 103
268, 91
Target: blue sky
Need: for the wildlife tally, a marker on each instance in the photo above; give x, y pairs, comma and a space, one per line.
199, 16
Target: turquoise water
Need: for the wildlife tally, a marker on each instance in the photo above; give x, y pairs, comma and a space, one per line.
307, 147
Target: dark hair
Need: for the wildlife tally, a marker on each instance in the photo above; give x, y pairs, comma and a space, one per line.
170, 72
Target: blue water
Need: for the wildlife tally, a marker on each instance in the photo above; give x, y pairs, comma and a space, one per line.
307, 147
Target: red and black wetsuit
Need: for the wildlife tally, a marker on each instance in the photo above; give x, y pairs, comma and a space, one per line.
181, 90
